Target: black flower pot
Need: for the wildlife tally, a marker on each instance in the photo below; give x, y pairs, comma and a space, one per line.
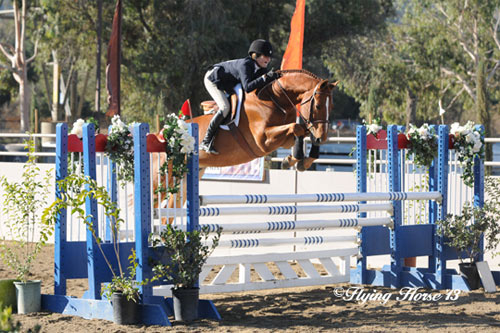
125, 312
186, 303
469, 272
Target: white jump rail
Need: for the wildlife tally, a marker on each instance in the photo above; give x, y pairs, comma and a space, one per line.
264, 242
319, 197
309, 225
279, 210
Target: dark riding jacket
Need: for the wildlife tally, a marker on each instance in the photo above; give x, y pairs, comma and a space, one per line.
227, 74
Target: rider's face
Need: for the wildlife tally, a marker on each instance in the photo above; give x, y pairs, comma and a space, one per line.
263, 61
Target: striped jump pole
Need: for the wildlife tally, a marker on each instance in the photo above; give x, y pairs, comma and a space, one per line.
281, 210
318, 197
308, 225
265, 242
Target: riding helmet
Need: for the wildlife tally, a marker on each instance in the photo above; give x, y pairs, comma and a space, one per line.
261, 46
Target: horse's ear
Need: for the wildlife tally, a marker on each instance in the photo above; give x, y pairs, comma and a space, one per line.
334, 84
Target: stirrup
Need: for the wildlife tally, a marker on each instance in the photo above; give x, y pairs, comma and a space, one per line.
209, 148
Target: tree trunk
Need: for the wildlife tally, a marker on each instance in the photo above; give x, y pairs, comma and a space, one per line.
73, 96
482, 105
411, 107
24, 105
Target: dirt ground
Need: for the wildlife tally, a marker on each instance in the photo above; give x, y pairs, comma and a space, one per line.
312, 309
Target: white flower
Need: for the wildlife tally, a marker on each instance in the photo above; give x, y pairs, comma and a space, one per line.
477, 147
78, 128
423, 131
187, 143
469, 137
180, 131
182, 124
374, 128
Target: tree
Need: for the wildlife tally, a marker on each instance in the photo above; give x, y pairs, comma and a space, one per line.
19, 62
70, 41
429, 56
169, 45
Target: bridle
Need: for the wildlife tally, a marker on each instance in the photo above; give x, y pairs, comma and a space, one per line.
309, 122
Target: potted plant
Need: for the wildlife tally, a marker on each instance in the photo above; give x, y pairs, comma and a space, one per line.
183, 255
21, 203
123, 289
464, 232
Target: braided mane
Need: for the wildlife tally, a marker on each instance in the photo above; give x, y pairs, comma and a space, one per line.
302, 71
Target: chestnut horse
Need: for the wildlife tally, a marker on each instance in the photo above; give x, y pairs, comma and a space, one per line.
268, 121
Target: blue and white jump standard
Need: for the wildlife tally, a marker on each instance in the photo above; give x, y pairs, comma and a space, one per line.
82, 259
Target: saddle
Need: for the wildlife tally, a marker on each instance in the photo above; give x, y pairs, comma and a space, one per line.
236, 100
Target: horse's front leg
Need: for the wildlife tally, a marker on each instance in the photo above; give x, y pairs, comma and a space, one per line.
281, 136
305, 163
297, 155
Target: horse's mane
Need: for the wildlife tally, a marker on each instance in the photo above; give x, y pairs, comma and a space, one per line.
289, 71
301, 71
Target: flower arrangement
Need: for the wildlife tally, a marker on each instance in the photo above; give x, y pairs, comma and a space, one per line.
120, 149
468, 143
374, 127
423, 145
179, 146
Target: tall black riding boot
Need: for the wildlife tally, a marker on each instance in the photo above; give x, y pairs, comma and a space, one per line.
208, 141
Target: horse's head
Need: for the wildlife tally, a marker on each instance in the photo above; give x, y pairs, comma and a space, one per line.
315, 107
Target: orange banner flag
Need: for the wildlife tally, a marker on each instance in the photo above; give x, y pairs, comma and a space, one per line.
292, 59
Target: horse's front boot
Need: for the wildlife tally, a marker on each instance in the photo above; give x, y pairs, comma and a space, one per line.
298, 148
208, 141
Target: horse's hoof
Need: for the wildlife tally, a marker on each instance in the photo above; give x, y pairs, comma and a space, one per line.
300, 166
285, 163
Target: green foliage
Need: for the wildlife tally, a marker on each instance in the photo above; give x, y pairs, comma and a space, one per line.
8, 325
187, 252
125, 283
76, 189
423, 145
21, 203
464, 231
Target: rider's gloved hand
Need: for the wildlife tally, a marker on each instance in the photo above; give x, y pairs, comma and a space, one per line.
271, 75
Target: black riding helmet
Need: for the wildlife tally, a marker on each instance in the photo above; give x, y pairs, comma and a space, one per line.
261, 46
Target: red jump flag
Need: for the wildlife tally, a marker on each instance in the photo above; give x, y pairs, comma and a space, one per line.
292, 59
113, 63
186, 109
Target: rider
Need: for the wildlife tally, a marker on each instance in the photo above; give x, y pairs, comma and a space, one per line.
250, 71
